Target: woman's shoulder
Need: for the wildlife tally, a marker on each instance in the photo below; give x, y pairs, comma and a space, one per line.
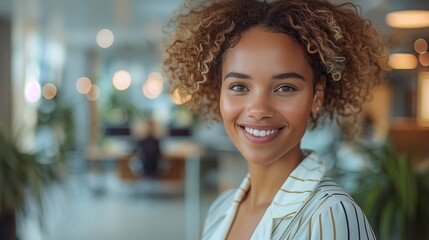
331, 211
329, 200
329, 195
328, 187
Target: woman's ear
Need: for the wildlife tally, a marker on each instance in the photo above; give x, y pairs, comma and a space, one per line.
319, 94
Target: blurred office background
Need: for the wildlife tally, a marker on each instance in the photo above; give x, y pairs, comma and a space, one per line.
81, 80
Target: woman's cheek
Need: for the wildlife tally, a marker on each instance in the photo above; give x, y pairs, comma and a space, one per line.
229, 106
296, 110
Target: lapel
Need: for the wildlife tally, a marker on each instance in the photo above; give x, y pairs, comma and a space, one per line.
298, 187
292, 196
229, 214
287, 202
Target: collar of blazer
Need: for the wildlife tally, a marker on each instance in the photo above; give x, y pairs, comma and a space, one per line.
298, 188
295, 192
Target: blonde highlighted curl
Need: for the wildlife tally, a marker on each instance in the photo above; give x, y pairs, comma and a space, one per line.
342, 48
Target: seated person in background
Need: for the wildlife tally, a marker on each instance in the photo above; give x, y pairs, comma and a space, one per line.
148, 150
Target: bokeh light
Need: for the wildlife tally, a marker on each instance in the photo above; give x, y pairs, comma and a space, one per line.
424, 59
408, 19
179, 97
402, 61
151, 90
105, 38
153, 86
420, 45
156, 79
121, 80
94, 93
83, 85
49, 91
32, 91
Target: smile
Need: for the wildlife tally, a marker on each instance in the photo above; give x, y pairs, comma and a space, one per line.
260, 133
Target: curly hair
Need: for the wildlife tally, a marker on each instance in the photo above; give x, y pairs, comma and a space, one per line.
342, 48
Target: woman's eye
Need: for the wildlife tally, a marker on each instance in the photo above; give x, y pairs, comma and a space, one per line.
238, 88
285, 88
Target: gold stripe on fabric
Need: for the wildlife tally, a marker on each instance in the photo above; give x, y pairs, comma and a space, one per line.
277, 225
297, 228
298, 192
292, 221
303, 180
287, 215
333, 223
308, 201
309, 230
299, 223
320, 227
320, 204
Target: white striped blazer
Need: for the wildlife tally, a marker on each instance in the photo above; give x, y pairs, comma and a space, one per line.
308, 206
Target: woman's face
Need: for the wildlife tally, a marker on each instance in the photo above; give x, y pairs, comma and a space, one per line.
267, 96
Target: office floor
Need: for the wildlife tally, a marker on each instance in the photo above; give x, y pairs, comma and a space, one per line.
101, 206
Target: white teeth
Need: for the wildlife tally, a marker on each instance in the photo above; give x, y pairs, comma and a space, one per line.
260, 133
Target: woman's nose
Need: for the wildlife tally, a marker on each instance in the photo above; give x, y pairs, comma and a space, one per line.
260, 106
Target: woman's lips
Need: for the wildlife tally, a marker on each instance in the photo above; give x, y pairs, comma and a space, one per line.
260, 135
261, 132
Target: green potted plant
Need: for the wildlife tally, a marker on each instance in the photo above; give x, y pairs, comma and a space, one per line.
393, 194
21, 176
55, 118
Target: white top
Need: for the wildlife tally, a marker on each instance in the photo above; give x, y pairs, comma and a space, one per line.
307, 206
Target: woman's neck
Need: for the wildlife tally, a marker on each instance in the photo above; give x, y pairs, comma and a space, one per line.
266, 180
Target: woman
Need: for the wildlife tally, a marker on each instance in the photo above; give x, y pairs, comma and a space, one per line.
270, 70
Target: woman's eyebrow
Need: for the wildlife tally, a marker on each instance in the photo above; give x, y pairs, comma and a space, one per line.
275, 77
288, 75
236, 75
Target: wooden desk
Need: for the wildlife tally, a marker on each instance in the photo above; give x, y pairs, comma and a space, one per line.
412, 139
408, 136
180, 152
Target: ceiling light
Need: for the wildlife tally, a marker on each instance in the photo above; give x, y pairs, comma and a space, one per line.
83, 85
408, 19
122, 80
94, 93
424, 59
32, 91
180, 97
402, 61
420, 45
49, 91
408, 14
105, 38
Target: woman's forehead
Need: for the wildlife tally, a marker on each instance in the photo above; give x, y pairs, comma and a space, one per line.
260, 49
